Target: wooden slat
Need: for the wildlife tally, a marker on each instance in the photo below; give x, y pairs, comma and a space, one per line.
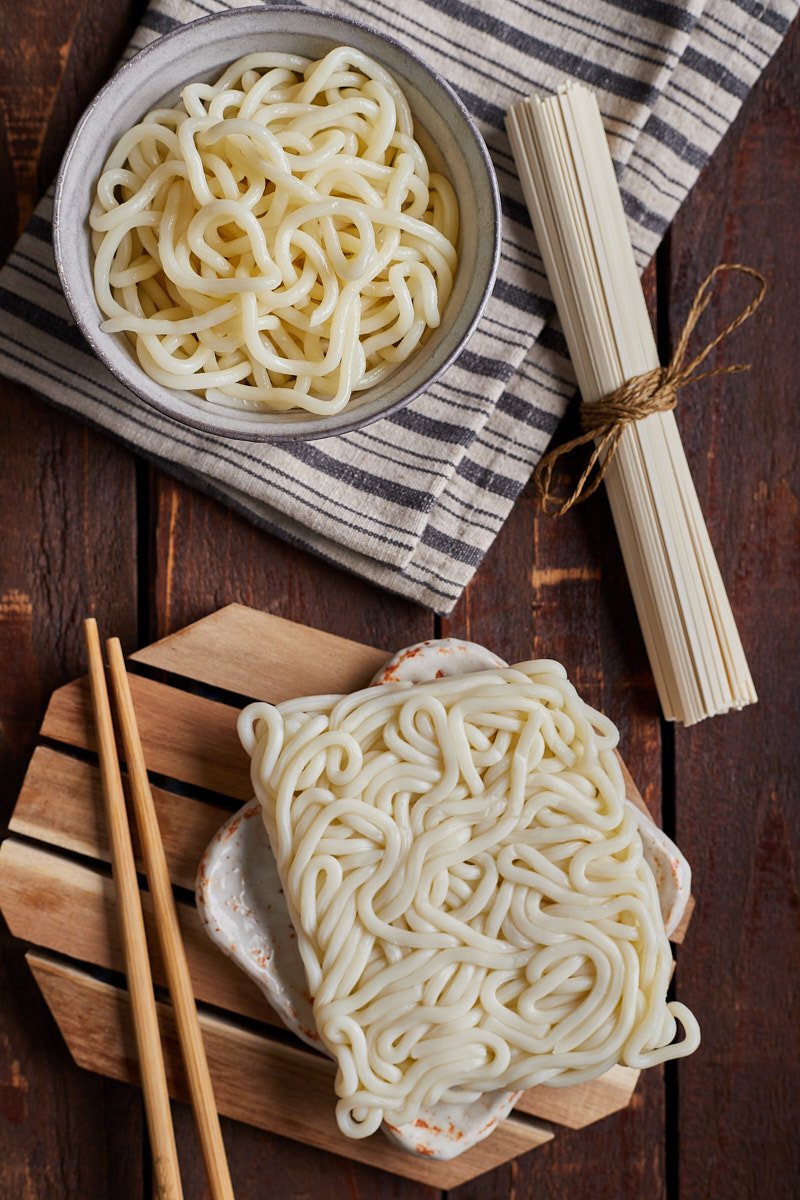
272, 1086
267, 657
60, 804
50, 901
185, 737
584, 1103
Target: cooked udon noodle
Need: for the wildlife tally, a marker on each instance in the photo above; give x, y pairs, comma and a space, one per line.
468, 888
277, 241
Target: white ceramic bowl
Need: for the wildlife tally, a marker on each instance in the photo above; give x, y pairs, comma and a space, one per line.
200, 51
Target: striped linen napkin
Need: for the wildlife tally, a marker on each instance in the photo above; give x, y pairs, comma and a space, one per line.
414, 501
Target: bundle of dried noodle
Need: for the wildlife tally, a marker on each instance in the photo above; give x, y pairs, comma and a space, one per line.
568, 178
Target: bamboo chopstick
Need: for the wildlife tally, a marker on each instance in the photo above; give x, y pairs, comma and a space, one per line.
134, 941
172, 949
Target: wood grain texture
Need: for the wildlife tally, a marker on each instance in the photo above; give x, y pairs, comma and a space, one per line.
202, 748
578, 1106
263, 656
204, 556
51, 64
68, 538
736, 779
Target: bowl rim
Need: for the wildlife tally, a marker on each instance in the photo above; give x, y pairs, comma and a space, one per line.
243, 431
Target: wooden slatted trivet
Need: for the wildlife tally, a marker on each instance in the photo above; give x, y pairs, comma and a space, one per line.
57, 894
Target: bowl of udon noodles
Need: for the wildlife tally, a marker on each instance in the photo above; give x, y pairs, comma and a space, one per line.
275, 223
446, 885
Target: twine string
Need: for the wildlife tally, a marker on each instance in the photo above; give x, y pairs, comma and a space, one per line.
604, 421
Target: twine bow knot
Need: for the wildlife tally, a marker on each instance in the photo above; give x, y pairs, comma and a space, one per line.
604, 421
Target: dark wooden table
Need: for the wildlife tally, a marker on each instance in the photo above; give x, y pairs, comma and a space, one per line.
88, 528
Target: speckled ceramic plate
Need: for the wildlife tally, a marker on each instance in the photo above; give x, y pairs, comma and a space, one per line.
240, 900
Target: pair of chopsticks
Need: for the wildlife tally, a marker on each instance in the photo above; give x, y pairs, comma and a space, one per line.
134, 942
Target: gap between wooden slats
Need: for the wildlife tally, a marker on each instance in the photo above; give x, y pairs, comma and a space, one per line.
184, 737
60, 803
51, 901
